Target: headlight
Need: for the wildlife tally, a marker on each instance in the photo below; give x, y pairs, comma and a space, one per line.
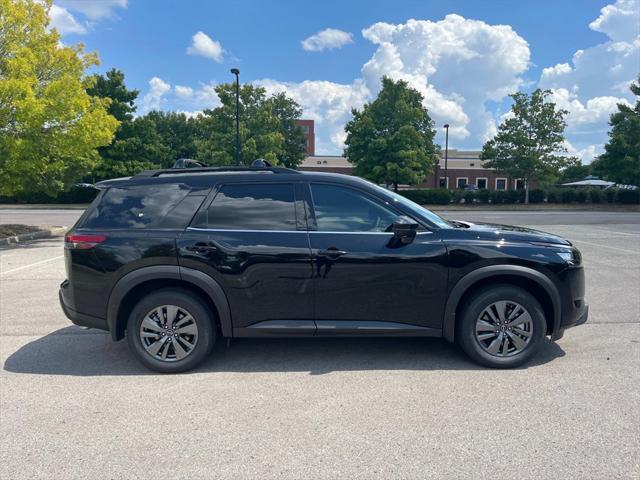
570, 257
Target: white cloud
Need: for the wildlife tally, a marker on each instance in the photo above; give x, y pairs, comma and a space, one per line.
586, 154
597, 78
204, 46
185, 99
456, 63
94, 9
594, 112
183, 92
329, 104
327, 39
620, 21
65, 22
158, 88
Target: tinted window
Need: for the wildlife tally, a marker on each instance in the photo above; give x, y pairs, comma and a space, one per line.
253, 207
340, 209
136, 207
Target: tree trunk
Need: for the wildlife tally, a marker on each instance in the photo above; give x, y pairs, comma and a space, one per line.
395, 187
526, 191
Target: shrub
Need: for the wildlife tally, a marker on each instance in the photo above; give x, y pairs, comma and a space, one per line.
581, 195
482, 196
536, 196
438, 196
498, 196
611, 194
629, 196
595, 195
469, 197
553, 196
567, 195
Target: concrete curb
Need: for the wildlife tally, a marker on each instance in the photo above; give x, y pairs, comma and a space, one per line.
48, 232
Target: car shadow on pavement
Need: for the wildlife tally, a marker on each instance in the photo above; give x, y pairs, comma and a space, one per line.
73, 351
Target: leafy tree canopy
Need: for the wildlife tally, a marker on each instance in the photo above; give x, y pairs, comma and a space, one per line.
111, 85
267, 128
50, 126
530, 142
621, 160
391, 139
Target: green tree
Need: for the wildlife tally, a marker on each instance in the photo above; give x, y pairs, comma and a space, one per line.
111, 85
530, 142
391, 139
621, 160
267, 128
50, 127
574, 173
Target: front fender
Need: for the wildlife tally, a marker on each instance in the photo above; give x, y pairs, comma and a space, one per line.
486, 273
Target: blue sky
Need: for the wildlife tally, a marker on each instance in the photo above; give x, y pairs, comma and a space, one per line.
464, 56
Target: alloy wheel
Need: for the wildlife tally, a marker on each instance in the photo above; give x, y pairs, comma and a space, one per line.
168, 333
504, 329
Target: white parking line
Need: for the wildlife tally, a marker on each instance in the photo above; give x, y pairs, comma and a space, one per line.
637, 252
31, 265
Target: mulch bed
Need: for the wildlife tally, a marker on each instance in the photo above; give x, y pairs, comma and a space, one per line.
11, 230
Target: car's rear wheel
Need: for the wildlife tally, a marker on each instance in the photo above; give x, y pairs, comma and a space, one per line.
171, 330
501, 327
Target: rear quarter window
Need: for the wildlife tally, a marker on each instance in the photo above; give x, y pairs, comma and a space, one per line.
147, 206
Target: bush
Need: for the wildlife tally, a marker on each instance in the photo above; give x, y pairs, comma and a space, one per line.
630, 197
482, 196
73, 195
469, 197
581, 195
611, 194
536, 196
595, 195
498, 196
567, 195
553, 196
438, 196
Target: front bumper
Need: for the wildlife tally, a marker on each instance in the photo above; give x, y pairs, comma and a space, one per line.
80, 319
579, 320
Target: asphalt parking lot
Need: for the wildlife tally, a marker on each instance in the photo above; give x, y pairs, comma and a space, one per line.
73, 404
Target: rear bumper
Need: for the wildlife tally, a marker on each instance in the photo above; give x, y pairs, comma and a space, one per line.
80, 319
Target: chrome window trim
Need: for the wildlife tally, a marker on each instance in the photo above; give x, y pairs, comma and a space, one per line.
197, 229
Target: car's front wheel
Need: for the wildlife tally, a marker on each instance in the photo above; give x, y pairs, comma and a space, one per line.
501, 327
171, 330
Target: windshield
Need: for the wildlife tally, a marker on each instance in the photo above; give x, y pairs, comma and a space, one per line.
414, 207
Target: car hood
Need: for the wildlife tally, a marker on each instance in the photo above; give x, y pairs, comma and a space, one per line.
493, 231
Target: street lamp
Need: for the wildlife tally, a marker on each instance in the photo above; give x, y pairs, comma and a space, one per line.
236, 72
446, 157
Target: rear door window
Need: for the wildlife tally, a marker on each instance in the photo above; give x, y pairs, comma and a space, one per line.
144, 206
265, 206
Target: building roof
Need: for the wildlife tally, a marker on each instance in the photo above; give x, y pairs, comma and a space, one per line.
326, 162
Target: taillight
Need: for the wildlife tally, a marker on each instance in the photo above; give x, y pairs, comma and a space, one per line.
83, 242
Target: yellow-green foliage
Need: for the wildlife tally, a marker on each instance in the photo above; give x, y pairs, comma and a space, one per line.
49, 126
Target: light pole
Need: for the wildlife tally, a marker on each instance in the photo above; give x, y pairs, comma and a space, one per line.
236, 72
446, 157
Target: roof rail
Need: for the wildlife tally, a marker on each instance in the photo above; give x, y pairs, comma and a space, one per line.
186, 171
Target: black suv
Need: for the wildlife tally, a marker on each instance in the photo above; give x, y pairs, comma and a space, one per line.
174, 259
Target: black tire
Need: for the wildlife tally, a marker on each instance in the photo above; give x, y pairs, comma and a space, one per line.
475, 307
203, 318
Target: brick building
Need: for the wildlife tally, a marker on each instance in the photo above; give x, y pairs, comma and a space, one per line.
464, 168
308, 127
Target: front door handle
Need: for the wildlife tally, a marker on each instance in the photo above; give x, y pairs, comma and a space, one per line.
202, 247
331, 252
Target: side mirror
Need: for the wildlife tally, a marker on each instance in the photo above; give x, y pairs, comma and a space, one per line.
404, 230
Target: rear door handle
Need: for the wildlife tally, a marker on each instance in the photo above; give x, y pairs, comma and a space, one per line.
332, 252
